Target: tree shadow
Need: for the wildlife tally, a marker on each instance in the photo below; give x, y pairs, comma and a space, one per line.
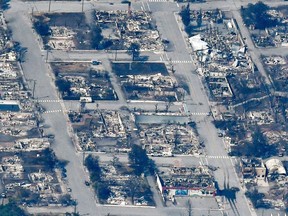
229, 193
143, 58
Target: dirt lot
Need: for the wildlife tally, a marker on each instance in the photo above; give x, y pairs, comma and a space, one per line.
136, 68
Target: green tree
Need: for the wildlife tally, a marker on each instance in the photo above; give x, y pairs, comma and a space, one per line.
27, 196
199, 18
260, 146
96, 34
102, 190
42, 28
49, 158
185, 15
140, 162
255, 197
63, 85
11, 209
92, 164
134, 50
4, 4
256, 14
133, 187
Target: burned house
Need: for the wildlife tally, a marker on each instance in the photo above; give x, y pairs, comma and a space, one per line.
185, 181
252, 168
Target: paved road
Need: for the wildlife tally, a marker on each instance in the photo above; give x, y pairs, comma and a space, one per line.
88, 55
253, 51
168, 27
180, 160
35, 68
116, 105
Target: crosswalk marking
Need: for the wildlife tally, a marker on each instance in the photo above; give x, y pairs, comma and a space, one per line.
218, 156
208, 156
52, 111
182, 62
199, 114
157, 0
48, 101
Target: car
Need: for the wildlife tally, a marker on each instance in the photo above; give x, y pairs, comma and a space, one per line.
165, 41
51, 136
86, 99
87, 183
220, 134
69, 189
95, 62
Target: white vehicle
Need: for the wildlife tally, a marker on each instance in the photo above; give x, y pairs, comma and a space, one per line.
86, 99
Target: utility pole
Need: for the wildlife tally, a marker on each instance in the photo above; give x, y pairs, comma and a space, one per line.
82, 6
49, 7
75, 206
189, 206
83, 157
116, 54
47, 52
34, 85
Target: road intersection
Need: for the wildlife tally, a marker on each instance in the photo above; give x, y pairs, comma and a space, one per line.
55, 113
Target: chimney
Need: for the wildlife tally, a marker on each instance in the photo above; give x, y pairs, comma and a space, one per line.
129, 9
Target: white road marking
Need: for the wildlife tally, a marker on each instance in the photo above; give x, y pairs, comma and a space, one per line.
148, 6
200, 113
218, 157
167, 56
157, 1
52, 111
182, 62
48, 101
143, 6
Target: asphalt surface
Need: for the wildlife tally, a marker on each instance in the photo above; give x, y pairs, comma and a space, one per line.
168, 24
34, 68
169, 28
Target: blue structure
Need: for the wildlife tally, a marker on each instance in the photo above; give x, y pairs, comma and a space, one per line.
8, 105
